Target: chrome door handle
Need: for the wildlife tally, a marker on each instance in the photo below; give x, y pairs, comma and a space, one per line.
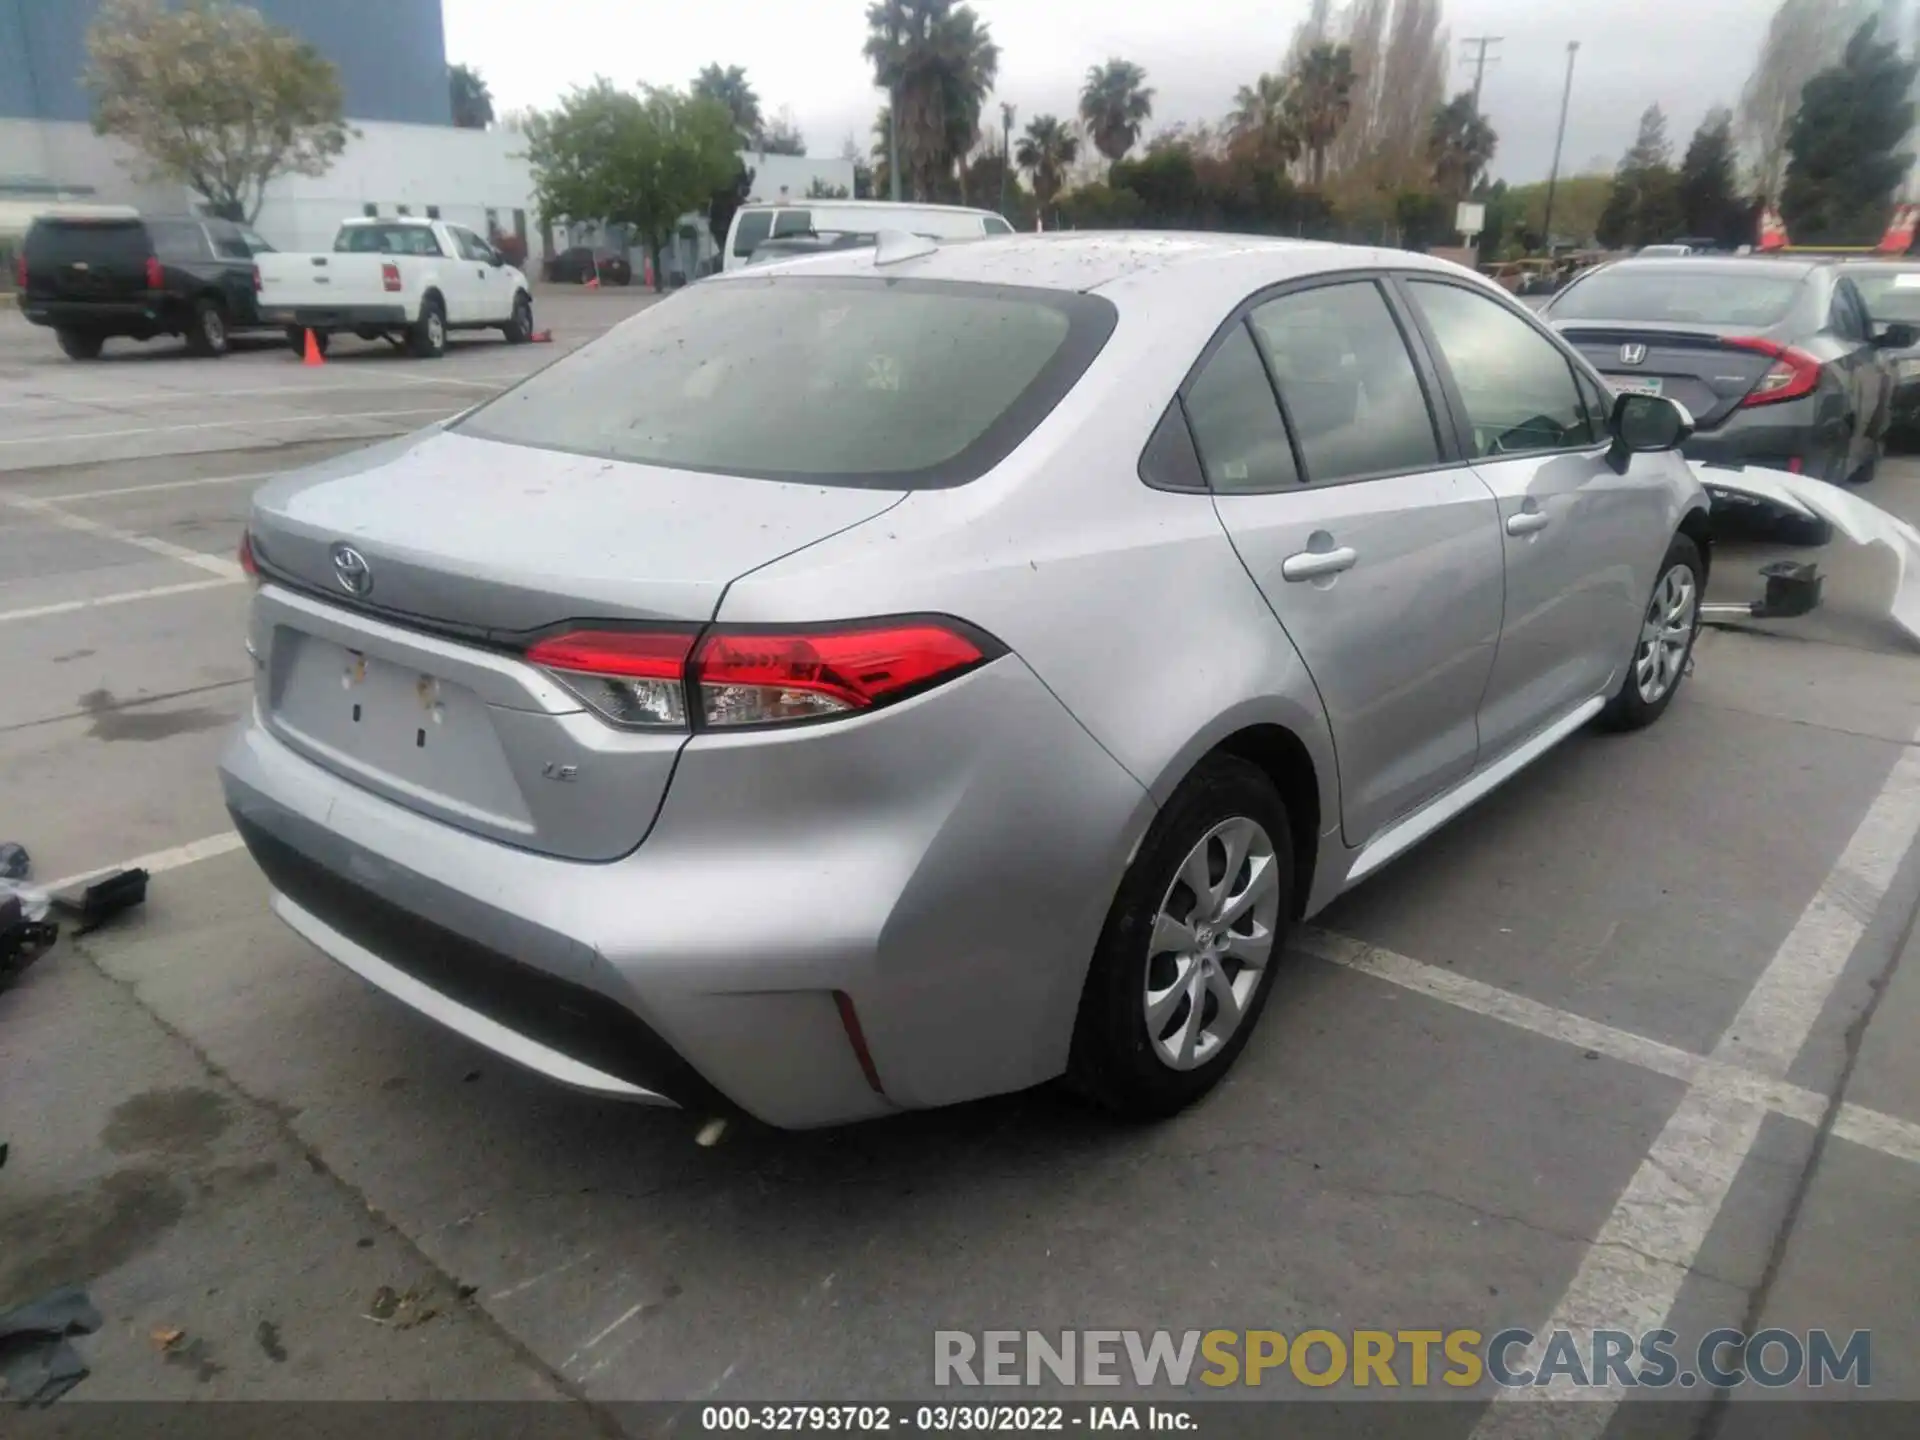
1526, 522
1312, 564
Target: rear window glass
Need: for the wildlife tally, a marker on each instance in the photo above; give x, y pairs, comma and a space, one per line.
89, 243
386, 240
1891, 297
835, 380
1680, 294
752, 227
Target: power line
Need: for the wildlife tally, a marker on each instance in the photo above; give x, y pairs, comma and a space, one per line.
1479, 60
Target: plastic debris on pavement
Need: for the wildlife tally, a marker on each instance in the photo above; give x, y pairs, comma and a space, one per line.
38, 1363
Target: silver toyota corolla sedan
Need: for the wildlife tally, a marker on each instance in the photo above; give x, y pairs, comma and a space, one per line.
898, 676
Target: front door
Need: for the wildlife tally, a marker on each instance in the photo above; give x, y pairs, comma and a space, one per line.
1581, 537
481, 286
1378, 554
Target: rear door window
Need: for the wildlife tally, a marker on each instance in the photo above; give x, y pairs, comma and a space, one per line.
179, 241
1348, 382
1236, 422
229, 243
750, 229
996, 226
832, 380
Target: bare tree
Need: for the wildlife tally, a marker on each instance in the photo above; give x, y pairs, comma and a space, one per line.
1413, 78
1804, 38
1365, 30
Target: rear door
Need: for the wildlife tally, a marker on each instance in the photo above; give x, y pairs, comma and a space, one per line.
1378, 552
234, 255
82, 260
1859, 364
1580, 537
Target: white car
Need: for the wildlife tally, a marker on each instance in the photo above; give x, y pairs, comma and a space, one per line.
753, 224
407, 281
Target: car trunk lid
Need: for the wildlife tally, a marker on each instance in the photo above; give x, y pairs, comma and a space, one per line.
462, 551
87, 260
1701, 366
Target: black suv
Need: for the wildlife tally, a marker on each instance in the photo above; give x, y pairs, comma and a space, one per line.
91, 278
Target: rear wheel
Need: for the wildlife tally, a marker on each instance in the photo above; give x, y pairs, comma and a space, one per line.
1665, 645
519, 329
1185, 961
80, 344
207, 333
428, 339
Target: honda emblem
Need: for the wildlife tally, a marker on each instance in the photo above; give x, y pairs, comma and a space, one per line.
1633, 354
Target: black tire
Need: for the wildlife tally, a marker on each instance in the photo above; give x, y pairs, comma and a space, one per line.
519, 329
427, 340
297, 340
1630, 709
209, 335
1114, 1061
79, 344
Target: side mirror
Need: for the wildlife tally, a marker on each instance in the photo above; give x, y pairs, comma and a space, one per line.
1895, 336
1643, 423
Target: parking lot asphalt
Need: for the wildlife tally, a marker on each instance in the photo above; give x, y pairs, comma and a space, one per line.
1630, 1043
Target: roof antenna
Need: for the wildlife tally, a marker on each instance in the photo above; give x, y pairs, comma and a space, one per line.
892, 246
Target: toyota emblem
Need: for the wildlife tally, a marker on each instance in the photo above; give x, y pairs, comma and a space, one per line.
350, 568
1633, 354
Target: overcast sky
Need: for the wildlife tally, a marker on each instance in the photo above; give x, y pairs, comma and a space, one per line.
1685, 54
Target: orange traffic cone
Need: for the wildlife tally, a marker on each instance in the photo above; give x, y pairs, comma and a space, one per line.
313, 355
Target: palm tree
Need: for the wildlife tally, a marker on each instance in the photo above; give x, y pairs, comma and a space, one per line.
937, 62
1321, 100
472, 100
1115, 103
1262, 121
730, 88
1460, 144
1045, 152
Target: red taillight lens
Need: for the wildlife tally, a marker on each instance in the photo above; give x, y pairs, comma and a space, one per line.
247, 562
765, 677
156, 273
632, 677
1793, 373
256, 279
390, 275
20, 270
754, 677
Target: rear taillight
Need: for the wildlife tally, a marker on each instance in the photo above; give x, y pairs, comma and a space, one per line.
1793, 373
247, 562
390, 275
745, 677
20, 270
156, 273
256, 279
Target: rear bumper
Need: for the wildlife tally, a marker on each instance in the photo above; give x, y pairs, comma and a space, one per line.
1788, 436
946, 865
110, 317
335, 317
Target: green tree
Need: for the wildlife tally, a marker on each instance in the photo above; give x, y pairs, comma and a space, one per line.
642, 161
1115, 104
731, 88
1644, 207
1710, 202
818, 189
1261, 126
1045, 152
1320, 100
724, 201
1461, 144
471, 99
937, 61
213, 97
1844, 162
782, 137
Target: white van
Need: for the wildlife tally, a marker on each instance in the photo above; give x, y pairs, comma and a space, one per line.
754, 223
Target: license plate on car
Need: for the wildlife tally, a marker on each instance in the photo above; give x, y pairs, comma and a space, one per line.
1634, 384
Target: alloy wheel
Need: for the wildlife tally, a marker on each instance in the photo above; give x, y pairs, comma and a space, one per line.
1212, 938
1666, 633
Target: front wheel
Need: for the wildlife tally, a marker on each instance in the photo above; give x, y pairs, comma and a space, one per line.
1187, 956
428, 338
519, 329
1664, 648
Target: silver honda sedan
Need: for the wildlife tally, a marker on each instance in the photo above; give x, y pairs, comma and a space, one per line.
898, 676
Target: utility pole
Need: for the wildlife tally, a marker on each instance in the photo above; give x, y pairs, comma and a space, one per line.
1006, 150
1480, 44
1553, 175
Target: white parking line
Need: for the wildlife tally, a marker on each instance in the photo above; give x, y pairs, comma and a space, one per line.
224, 843
1636, 1265
54, 515
226, 425
123, 397
124, 597
68, 497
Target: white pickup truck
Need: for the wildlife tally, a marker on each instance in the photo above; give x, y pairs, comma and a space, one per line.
409, 282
